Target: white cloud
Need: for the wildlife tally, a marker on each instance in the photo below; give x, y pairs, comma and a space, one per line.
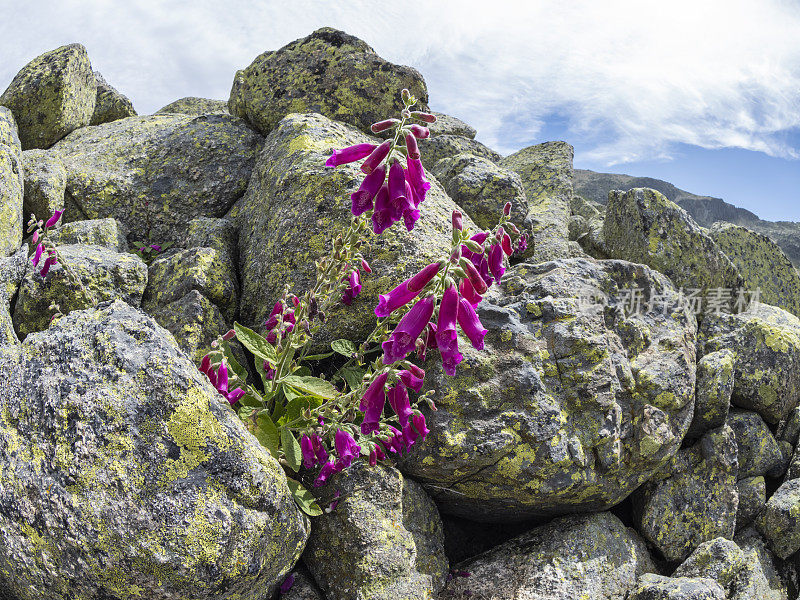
628, 78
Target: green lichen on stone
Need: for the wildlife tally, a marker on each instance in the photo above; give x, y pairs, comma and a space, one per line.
658, 587
11, 185
450, 125
195, 106
328, 72
757, 449
108, 233
110, 105
51, 96
715, 378
45, 183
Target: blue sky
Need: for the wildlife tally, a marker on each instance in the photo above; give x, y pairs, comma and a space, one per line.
702, 93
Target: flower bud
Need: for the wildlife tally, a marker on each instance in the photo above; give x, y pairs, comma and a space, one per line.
423, 116
419, 131
500, 233
229, 335
376, 158
455, 256
474, 246
478, 282
458, 220
406, 95
514, 229
54, 219
411, 146
507, 209
383, 125
365, 266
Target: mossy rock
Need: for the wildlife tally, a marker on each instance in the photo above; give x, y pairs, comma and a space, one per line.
762, 264
585, 226
546, 173
104, 274
482, 188
658, 587
713, 391
12, 272
295, 206
219, 234
52, 95
573, 403
448, 145
757, 449
591, 557
766, 342
696, 502
780, 521
110, 105
752, 498
642, 225
763, 576
449, 125
156, 173
126, 475
108, 233
329, 72
382, 541
45, 183
11, 185
192, 105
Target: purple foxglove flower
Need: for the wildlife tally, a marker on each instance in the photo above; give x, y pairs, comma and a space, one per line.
450, 360
54, 219
362, 199
307, 450
395, 443
38, 255
480, 237
458, 220
416, 179
332, 506
399, 296
365, 266
376, 157
410, 218
376, 455
522, 243
205, 365
419, 131
470, 324
419, 424
397, 189
412, 377
383, 125
35, 237
287, 584
506, 244
496, 262
222, 378
272, 321
49, 262
353, 289
234, 396
156, 247
382, 217
346, 448
404, 337
412, 147
478, 283
409, 435
423, 116
447, 336
328, 469
349, 154
272, 337
372, 404
319, 448
400, 403
424, 277
507, 209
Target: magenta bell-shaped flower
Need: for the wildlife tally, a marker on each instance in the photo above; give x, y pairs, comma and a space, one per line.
37, 255
470, 324
382, 217
406, 291
495, 261
419, 131
362, 199
307, 450
446, 335
49, 262
319, 448
376, 157
398, 201
349, 154
353, 289
400, 403
328, 469
346, 449
54, 219
372, 404
416, 179
428, 342
404, 337
411, 213
412, 377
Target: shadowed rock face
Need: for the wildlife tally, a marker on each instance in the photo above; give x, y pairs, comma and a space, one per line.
130, 476
329, 72
571, 406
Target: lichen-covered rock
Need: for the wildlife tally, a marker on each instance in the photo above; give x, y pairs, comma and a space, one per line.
449, 125
206, 270
642, 225
125, 474
194, 320
104, 274
789, 428
757, 449
219, 234
156, 173
109, 105
108, 233
192, 105
761, 263
294, 206
713, 392
11, 185
761, 576
382, 541
45, 183
304, 587
658, 587
447, 145
482, 188
12, 271
52, 95
752, 498
328, 72
546, 173
696, 501
586, 226
571, 406
780, 521
719, 559
591, 557
766, 342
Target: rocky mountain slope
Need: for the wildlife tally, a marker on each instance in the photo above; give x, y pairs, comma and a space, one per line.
706, 210
628, 432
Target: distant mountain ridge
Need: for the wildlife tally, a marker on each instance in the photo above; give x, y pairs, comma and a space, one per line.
706, 210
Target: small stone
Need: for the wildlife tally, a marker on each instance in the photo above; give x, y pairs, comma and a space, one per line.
449, 125
758, 451
713, 392
108, 233
657, 587
110, 105
780, 521
195, 106
11, 185
752, 498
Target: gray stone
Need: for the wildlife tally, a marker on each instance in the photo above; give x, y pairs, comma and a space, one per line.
52, 95
780, 521
110, 105
195, 106
12, 271
758, 451
760, 577
11, 185
572, 404
327, 72
219, 234
45, 183
439, 147
658, 587
125, 474
449, 125
108, 233
752, 498
156, 173
382, 541
591, 557
713, 392
304, 586
697, 500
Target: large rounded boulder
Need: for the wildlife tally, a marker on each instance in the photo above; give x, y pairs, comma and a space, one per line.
578, 398
126, 475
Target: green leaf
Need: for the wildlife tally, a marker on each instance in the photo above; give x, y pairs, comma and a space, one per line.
255, 343
343, 347
267, 434
231, 361
304, 499
318, 356
352, 375
313, 386
291, 449
294, 410
251, 399
245, 412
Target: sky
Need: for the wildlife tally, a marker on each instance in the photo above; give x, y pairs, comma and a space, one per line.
702, 93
